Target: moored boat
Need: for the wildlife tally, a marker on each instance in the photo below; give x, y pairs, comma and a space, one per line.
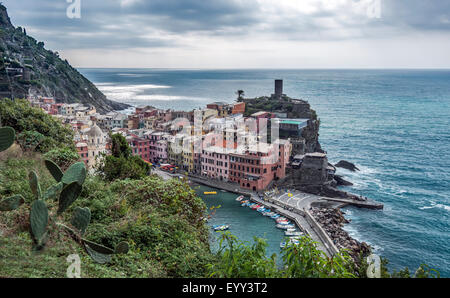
295, 233
210, 192
219, 228
240, 198
285, 227
290, 241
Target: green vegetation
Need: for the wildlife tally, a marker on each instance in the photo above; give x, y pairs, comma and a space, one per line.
122, 164
237, 259
156, 227
161, 221
34, 128
63, 157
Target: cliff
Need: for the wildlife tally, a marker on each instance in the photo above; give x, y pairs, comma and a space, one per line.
293, 108
27, 68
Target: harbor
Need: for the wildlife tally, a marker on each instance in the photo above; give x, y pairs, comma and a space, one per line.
293, 205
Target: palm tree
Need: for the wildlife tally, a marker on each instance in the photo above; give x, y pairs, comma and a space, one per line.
240, 94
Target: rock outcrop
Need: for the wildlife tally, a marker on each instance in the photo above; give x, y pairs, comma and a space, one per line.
333, 221
347, 165
340, 181
26, 67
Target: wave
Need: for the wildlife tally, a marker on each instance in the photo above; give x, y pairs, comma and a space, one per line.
133, 75
435, 205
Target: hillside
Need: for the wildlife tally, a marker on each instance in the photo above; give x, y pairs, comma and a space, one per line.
26, 67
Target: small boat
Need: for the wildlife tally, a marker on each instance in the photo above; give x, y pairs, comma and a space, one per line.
219, 228
296, 233
244, 205
275, 216
210, 192
239, 199
290, 241
285, 227
262, 209
281, 220
269, 213
254, 207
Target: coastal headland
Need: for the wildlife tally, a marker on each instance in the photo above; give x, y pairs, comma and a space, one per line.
258, 146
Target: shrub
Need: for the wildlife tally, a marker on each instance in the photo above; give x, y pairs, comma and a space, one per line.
31, 121
30, 140
63, 157
121, 165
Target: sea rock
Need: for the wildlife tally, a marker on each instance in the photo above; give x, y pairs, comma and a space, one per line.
347, 165
341, 181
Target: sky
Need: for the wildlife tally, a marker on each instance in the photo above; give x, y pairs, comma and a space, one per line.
241, 33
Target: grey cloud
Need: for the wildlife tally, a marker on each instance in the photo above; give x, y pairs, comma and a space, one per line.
112, 25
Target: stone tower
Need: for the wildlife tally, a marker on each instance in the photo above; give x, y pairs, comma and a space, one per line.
278, 88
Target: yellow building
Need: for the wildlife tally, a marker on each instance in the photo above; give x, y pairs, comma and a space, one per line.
188, 154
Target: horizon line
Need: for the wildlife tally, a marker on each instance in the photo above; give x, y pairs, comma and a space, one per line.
270, 68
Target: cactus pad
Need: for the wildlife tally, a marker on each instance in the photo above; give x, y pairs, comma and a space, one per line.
34, 185
68, 195
39, 221
81, 219
7, 137
97, 256
53, 191
122, 248
54, 170
11, 203
76, 172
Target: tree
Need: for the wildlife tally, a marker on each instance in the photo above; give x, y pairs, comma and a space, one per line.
119, 146
122, 164
240, 94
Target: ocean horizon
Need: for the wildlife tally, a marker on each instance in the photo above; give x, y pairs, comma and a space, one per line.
392, 123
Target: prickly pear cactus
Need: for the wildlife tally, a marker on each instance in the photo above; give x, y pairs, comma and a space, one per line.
97, 256
34, 184
53, 168
68, 195
11, 203
122, 248
81, 219
53, 191
38, 222
7, 137
76, 172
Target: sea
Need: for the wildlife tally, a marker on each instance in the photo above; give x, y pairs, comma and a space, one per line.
393, 124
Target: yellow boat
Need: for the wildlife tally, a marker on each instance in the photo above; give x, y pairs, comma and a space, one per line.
210, 192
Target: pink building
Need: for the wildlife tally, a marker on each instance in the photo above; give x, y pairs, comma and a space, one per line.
257, 167
215, 161
83, 152
158, 147
139, 147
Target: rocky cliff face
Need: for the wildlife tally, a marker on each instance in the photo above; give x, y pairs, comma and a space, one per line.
26, 67
293, 108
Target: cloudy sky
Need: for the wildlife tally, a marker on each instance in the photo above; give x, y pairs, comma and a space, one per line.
242, 33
